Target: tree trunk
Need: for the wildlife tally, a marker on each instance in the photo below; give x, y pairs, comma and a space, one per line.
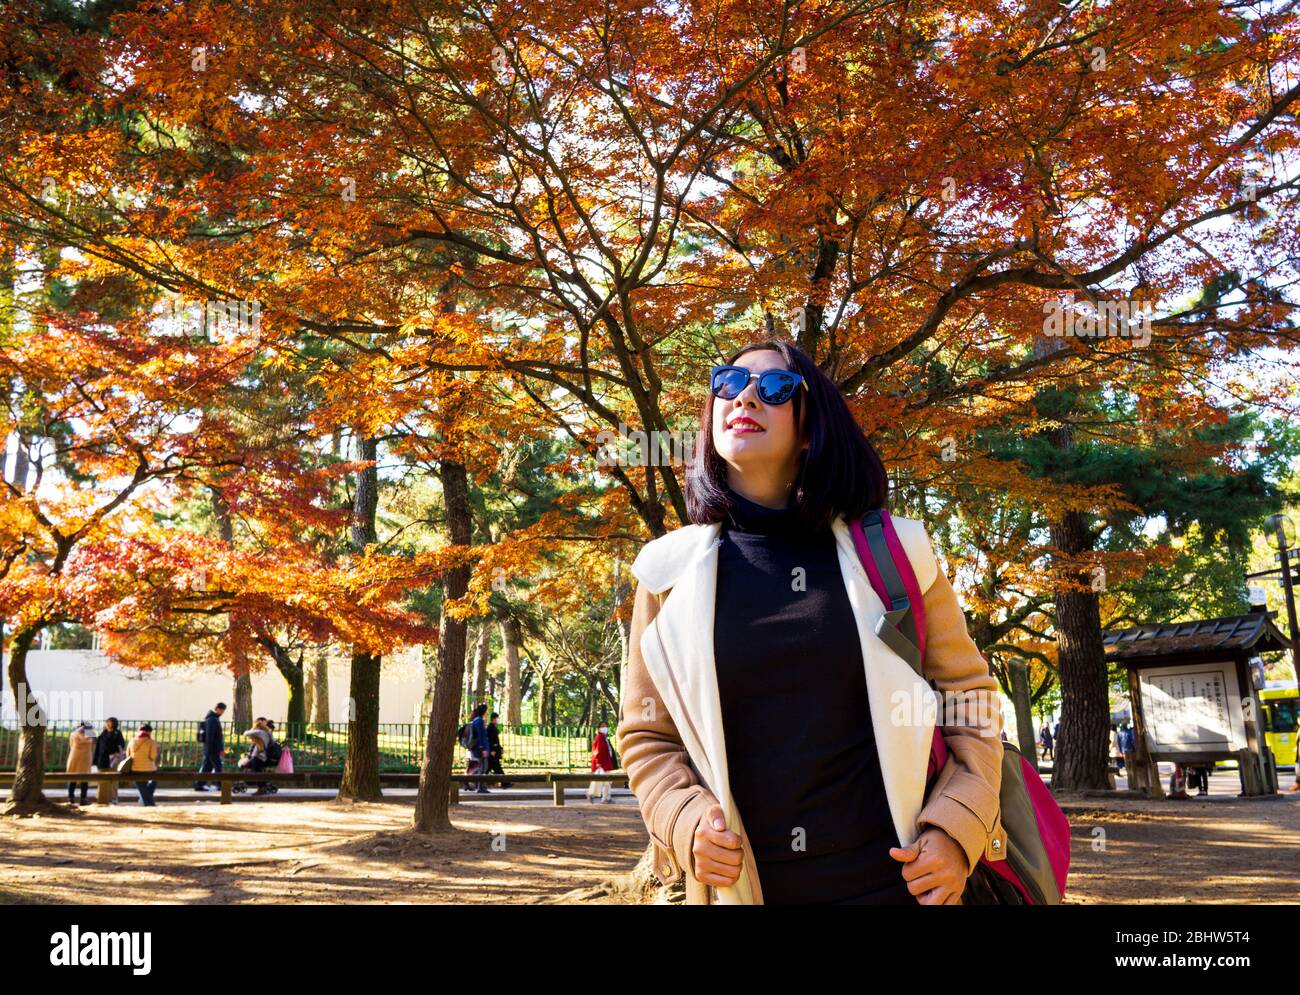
21, 463
308, 692
622, 588
1018, 671
27, 797
429, 660
514, 697
318, 682
1081, 753
361, 766
482, 652
243, 712
543, 698
1081, 750
242, 715
432, 801
292, 672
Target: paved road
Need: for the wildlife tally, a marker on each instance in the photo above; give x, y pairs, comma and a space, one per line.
517, 796
1223, 783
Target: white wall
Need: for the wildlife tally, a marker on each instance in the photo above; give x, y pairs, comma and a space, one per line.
84, 684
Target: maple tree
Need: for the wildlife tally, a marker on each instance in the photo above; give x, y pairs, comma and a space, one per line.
528, 220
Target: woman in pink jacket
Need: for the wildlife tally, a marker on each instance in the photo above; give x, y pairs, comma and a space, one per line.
777, 746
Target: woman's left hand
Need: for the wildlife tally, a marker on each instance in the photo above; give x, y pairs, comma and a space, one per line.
934, 867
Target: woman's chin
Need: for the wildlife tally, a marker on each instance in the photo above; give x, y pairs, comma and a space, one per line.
743, 449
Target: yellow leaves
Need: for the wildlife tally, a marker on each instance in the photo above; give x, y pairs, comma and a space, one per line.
409, 325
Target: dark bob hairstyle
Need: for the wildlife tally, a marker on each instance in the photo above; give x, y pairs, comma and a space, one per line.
839, 473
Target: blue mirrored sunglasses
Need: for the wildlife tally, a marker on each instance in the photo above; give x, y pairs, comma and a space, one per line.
774, 386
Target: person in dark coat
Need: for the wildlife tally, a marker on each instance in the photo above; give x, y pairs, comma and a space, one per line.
213, 743
495, 752
480, 751
260, 738
110, 747
274, 748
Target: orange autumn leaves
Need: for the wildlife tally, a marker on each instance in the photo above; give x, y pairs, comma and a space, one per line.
470, 230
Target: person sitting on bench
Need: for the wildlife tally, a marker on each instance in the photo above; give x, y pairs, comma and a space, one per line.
259, 741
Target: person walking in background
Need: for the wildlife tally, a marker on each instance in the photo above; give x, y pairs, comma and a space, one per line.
1045, 737
602, 760
143, 752
1126, 746
480, 751
1198, 776
214, 744
110, 749
495, 752
81, 751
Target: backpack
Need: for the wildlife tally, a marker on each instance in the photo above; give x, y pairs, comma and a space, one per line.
1038, 834
273, 750
465, 736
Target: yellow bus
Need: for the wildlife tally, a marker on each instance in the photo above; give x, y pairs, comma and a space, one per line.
1280, 701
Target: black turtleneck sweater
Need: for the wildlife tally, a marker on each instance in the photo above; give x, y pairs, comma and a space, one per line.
801, 753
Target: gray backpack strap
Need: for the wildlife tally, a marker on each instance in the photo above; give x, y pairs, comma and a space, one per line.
897, 626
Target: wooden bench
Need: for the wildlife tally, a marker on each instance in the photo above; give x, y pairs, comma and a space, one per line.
557, 780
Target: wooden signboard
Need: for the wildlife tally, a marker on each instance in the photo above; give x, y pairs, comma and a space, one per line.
1192, 709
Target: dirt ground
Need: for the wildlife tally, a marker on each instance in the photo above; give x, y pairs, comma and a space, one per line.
295, 851
1202, 851
1218, 850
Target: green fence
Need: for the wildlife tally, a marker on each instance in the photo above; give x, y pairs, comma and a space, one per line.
320, 746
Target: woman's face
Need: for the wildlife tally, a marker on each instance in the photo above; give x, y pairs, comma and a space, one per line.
746, 431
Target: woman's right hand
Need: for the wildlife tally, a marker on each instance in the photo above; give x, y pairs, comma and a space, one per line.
716, 850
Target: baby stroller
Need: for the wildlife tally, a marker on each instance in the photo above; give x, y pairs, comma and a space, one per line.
257, 759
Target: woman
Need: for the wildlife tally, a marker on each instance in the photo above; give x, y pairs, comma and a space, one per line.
259, 742
601, 760
274, 751
776, 746
81, 747
143, 752
110, 748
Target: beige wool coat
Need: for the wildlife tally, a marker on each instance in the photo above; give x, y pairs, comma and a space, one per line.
670, 729
81, 748
143, 752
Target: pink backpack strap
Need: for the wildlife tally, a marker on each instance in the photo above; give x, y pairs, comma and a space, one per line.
902, 566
